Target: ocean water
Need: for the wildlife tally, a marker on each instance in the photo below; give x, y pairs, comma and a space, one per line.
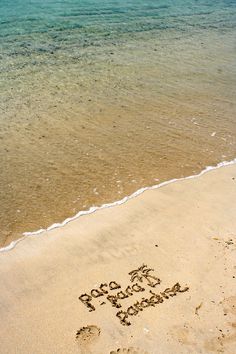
100, 98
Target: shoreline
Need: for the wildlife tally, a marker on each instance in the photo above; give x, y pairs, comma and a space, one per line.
156, 274
93, 209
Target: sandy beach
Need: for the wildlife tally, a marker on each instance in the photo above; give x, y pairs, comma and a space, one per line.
156, 274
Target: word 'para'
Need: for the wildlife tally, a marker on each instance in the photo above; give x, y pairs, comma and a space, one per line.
95, 293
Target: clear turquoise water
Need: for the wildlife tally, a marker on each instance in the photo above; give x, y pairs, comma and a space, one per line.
29, 28
99, 98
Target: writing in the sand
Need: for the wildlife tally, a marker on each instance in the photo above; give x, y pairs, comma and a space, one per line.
141, 279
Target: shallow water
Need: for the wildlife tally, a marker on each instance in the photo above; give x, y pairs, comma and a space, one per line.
100, 98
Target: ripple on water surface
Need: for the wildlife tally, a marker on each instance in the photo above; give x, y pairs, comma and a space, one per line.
101, 98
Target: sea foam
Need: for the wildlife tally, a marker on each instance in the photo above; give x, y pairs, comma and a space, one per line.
109, 205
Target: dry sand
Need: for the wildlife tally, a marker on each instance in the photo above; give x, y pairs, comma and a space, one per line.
185, 231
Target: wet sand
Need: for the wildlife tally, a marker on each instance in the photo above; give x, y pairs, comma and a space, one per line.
81, 132
185, 232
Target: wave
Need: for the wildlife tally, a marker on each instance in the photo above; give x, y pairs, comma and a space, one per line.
109, 205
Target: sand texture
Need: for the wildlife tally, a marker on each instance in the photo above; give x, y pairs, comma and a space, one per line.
154, 275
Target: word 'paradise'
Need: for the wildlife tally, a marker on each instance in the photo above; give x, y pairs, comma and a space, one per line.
154, 300
140, 275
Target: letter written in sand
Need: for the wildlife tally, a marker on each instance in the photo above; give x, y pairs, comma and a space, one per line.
122, 315
113, 285
132, 311
96, 293
121, 295
102, 286
86, 300
137, 288
114, 300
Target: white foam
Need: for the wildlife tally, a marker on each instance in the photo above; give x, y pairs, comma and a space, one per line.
109, 205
